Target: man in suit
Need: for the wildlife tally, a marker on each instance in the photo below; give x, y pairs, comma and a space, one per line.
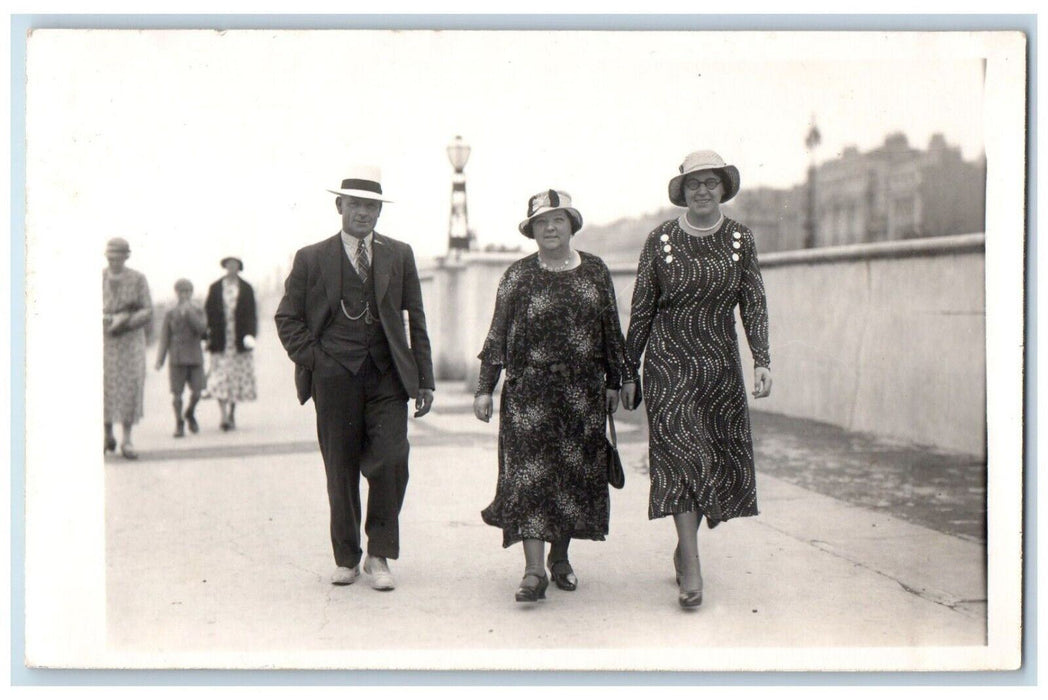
341, 322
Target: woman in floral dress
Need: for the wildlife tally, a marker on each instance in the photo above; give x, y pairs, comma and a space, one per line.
694, 270
232, 322
556, 335
126, 310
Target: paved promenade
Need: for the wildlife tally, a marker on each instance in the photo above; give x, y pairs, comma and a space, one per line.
217, 553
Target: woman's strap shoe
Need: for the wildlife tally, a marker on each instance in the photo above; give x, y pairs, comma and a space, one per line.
532, 587
562, 574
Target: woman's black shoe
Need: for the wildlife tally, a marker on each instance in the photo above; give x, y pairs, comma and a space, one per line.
532, 588
562, 574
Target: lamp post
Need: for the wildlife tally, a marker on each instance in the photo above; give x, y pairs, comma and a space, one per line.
460, 238
811, 142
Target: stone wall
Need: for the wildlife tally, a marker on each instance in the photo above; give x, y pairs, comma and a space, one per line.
885, 338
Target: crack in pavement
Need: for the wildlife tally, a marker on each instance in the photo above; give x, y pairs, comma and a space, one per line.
943, 598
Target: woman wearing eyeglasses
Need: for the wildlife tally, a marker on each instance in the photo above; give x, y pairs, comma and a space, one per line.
693, 271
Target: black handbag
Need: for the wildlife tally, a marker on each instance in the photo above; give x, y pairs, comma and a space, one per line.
616, 477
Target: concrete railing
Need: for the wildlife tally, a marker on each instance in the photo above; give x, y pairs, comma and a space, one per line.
886, 338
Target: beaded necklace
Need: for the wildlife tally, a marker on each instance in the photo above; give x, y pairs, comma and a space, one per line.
558, 267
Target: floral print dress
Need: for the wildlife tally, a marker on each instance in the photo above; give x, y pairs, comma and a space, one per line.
124, 355
232, 374
557, 337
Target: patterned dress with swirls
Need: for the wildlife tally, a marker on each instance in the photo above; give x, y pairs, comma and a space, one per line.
683, 321
558, 338
124, 355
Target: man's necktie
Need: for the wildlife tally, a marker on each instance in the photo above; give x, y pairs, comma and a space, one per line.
363, 264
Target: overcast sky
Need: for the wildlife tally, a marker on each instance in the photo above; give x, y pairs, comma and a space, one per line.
194, 145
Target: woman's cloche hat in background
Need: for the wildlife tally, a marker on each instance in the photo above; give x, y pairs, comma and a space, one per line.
547, 201
117, 246
704, 160
240, 263
364, 181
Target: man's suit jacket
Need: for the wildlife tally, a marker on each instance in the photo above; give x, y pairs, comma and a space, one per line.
311, 299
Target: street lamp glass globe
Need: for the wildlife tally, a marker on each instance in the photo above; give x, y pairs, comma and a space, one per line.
458, 153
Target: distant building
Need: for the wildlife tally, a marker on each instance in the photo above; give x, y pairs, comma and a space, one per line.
890, 193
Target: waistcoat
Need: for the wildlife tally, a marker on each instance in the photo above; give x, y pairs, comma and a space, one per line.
349, 341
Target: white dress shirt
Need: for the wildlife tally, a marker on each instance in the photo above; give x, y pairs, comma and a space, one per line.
350, 245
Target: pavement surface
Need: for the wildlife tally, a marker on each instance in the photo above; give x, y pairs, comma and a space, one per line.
217, 554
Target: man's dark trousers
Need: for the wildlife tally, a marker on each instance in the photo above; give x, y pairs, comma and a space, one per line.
362, 417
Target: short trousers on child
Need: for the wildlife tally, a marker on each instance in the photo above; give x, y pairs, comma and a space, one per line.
181, 375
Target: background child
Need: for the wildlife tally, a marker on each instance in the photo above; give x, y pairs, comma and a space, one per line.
183, 328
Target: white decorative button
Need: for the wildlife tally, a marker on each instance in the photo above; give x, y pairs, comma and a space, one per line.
737, 235
735, 257
669, 258
664, 237
667, 248
736, 245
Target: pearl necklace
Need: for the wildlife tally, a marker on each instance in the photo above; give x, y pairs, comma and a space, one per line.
705, 230
558, 267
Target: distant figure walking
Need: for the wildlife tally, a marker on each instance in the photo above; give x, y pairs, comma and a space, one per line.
126, 310
693, 271
556, 335
232, 324
184, 327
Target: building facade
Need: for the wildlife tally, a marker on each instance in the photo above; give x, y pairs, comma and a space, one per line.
892, 192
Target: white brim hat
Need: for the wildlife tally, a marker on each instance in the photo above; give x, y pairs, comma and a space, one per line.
364, 181
547, 201
704, 160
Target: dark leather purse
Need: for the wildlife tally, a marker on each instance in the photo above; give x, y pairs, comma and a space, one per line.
616, 477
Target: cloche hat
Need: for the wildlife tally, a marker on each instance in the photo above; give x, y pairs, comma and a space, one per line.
223, 261
547, 201
704, 160
364, 181
118, 245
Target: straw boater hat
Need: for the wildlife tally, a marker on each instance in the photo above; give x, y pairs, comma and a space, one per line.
364, 181
547, 201
704, 160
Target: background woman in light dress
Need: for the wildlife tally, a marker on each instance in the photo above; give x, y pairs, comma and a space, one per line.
126, 311
693, 271
555, 335
232, 323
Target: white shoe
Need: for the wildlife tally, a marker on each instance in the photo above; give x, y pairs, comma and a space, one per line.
378, 571
344, 575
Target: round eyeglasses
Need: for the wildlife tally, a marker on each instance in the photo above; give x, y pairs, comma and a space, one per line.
693, 183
